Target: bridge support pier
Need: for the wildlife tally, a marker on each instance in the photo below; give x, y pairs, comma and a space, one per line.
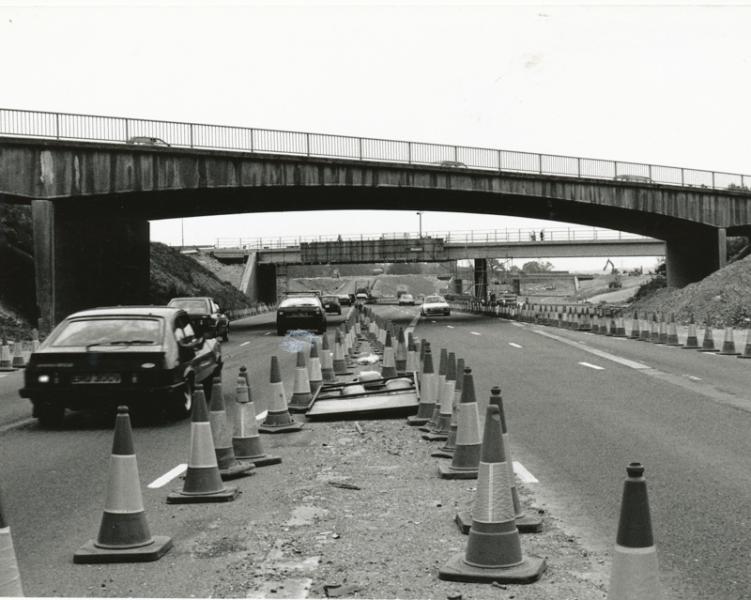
249, 281
481, 278
693, 256
267, 285
83, 260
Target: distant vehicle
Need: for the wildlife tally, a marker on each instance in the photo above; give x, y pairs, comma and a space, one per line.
344, 299
407, 299
331, 304
303, 293
141, 140
361, 299
634, 178
206, 316
300, 312
137, 355
451, 163
434, 305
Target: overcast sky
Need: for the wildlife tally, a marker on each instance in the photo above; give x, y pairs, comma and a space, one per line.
653, 84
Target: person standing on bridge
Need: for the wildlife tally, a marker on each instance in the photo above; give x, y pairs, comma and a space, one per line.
542, 235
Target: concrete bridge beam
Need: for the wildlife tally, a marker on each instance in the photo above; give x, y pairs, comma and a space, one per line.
481, 277
82, 261
693, 256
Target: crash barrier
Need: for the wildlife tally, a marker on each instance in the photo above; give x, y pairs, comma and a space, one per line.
612, 321
241, 313
15, 355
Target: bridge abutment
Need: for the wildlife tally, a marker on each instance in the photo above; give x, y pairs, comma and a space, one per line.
83, 261
481, 278
693, 256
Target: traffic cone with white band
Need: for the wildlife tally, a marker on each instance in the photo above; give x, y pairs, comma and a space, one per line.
6, 360
229, 466
466, 459
447, 450
10, 578
707, 344
301, 394
400, 357
315, 375
327, 361
728, 344
446, 398
246, 440
442, 365
747, 349
124, 534
340, 362
494, 552
411, 366
388, 366
672, 332
428, 390
692, 340
278, 419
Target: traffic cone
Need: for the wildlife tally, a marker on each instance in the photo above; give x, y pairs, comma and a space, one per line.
747, 349
466, 460
340, 362
327, 361
707, 344
524, 523
246, 440
301, 394
446, 397
400, 358
412, 357
620, 329
448, 449
645, 331
6, 361
10, 578
654, 330
388, 366
728, 344
229, 466
494, 552
124, 534
18, 361
428, 390
278, 419
442, 364
634, 574
672, 332
692, 341
635, 327
315, 375
203, 482
662, 335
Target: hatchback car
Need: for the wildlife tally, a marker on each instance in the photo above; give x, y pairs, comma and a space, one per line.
331, 304
434, 305
406, 299
206, 316
300, 312
344, 299
99, 358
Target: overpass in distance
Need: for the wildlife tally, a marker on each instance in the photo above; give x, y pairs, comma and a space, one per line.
92, 194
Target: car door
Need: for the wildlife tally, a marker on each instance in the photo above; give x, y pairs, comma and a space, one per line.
196, 352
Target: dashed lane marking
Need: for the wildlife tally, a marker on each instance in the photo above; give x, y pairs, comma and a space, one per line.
591, 366
246, 343
523, 474
514, 345
693, 377
602, 354
475, 333
168, 476
450, 326
3, 375
267, 333
15, 424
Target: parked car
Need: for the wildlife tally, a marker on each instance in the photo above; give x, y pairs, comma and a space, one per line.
300, 312
142, 140
344, 299
331, 304
206, 316
99, 358
434, 305
406, 299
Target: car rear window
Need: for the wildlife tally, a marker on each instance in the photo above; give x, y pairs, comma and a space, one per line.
190, 305
84, 332
330, 299
299, 302
433, 299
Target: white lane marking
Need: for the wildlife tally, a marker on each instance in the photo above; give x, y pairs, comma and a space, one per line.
591, 366
523, 474
262, 416
245, 343
514, 344
16, 424
3, 375
606, 355
432, 321
515, 324
693, 377
168, 476
267, 333
475, 333
450, 326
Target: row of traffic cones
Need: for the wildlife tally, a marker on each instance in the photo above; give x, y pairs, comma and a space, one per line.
15, 355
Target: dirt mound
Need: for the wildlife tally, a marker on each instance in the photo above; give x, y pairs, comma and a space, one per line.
721, 299
417, 285
230, 273
327, 285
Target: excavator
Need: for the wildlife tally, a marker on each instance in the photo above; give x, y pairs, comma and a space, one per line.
615, 276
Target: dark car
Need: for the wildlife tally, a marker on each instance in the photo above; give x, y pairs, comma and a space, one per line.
300, 312
345, 299
136, 355
331, 304
207, 318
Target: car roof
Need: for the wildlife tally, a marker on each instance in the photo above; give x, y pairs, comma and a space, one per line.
128, 311
192, 298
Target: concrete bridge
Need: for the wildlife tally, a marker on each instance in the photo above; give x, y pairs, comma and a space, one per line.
92, 193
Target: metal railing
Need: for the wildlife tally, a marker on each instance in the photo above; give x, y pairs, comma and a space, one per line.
96, 128
484, 236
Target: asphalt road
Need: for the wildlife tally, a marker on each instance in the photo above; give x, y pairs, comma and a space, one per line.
580, 408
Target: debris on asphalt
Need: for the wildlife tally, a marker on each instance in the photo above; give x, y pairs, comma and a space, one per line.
344, 485
338, 590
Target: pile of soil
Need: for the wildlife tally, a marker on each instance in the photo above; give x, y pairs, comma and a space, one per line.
230, 273
721, 299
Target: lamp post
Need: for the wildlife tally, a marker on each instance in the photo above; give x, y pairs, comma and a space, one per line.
419, 214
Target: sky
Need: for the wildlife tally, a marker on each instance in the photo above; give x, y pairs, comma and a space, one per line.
661, 84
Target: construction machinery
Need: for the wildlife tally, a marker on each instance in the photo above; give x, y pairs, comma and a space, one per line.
615, 276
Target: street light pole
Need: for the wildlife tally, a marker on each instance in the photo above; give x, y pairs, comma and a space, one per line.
419, 214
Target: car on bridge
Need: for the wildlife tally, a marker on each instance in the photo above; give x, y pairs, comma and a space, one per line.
331, 304
300, 312
206, 316
147, 356
434, 305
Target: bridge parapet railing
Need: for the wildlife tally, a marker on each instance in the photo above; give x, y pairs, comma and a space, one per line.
98, 128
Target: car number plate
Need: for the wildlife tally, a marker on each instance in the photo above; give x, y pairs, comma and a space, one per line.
96, 378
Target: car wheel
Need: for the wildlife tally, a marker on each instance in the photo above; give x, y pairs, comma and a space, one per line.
280, 331
50, 415
181, 401
225, 336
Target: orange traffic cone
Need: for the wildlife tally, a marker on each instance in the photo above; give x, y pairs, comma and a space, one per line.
340, 362
442, 365
654, 330
524, 523
203, 482
494, 552
400, 357
278, 419
229, 466
672, 332
315, 376
412, 358
466, 458
124, 533
446, 398
635, 327
327, 361
18, 360
692, 341
448, 449
6, 360
728, 344
644, 331
662, 334
10, 579
388, 365
428, 390
707, 344
747, 349
301, 394
634, 574
246, 440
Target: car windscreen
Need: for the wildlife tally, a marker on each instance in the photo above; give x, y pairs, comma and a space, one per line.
330, 299
433, 299
193, 306
109, 332
299, 302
